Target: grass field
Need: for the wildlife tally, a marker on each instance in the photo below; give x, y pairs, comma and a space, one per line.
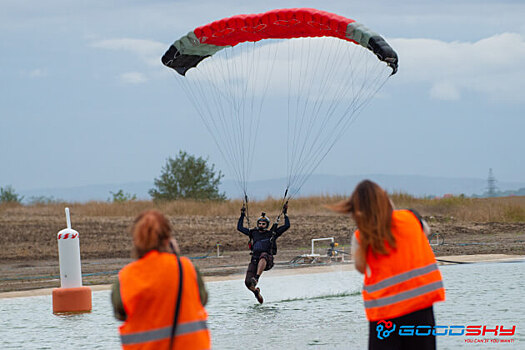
29, 243
503, 209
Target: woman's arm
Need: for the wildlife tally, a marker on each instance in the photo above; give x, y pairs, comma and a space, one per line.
358, 255
426, 228
116, 300
203, 293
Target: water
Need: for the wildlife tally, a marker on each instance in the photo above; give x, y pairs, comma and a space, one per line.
307, 311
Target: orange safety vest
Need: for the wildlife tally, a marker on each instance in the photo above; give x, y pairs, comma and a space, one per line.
148, 288
405, 280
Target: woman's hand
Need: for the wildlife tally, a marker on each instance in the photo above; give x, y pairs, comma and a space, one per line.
174, 246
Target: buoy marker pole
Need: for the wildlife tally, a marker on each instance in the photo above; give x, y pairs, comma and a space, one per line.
68, 219
71, 296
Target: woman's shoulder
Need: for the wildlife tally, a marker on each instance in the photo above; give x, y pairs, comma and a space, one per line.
406, 213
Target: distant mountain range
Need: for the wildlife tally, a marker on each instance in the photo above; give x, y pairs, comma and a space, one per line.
415, 185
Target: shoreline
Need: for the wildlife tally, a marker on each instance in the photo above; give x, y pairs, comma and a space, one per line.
287, 271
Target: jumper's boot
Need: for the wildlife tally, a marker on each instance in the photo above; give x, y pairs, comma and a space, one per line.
258, 296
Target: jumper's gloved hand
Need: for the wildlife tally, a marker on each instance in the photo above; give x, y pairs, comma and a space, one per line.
243, 210
285, 208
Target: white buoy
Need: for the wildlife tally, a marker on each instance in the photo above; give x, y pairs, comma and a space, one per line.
71, 296
69, 256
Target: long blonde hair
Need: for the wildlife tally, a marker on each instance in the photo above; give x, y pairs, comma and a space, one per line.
372, 211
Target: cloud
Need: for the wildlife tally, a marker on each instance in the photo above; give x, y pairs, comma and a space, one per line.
492, 66
148, 51
133, 78
35, 73
445, 91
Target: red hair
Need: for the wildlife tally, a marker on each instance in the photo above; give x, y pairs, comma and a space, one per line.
372, 212
150, 230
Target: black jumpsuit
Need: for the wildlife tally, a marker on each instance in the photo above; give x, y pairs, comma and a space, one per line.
262, 246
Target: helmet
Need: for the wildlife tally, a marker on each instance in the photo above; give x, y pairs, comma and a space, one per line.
263, 218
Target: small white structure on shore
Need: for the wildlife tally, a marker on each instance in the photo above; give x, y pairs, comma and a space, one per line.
71, 296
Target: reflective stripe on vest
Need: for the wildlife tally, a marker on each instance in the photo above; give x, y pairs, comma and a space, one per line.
385, 301
162, 333
402, 277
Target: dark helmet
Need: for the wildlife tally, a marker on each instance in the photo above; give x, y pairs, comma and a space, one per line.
263, 218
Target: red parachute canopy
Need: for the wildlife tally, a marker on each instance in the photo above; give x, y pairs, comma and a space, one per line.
206, 40
275, 24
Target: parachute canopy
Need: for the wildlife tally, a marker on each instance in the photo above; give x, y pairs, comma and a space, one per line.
208, 39
303, 74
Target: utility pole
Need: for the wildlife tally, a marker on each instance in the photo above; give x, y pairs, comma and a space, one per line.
491, 184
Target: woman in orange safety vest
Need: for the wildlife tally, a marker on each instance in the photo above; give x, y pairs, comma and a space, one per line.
149, 290
401, 278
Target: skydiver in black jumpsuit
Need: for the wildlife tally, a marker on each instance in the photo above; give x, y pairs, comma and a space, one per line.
263, 248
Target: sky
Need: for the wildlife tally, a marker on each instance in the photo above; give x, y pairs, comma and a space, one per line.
84, 98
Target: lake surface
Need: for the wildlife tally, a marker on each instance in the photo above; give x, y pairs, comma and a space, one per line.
305, 311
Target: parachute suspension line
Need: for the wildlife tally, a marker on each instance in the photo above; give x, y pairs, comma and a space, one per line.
212, 114
236, 135
215, 115
284, 202
270, 57
299, 115
310, 111
229, 105
239, 90
305, 151
291, 121
323, 155
192, 93
239, 114
340, 133
294, 90
328, 122
328, 74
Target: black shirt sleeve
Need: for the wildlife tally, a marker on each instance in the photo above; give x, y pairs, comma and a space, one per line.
240, 226
282, 229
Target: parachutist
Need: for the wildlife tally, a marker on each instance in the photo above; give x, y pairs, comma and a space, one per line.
263, 247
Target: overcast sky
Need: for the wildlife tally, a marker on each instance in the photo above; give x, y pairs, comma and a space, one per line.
85, 100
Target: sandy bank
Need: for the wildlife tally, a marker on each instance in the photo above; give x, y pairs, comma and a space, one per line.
286, 271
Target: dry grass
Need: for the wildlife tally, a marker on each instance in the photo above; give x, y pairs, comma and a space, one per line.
28, 234
503, 209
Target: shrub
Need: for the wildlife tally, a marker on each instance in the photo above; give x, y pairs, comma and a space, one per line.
187, 177
121, 197
8, 195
